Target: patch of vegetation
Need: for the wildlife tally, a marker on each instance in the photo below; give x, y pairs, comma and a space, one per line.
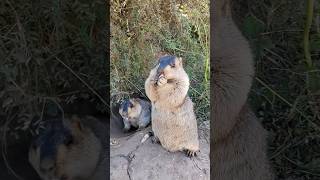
286, 93
51, 52
142, 30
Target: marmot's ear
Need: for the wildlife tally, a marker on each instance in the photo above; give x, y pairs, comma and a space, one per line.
134, 101
76, 123
179, 61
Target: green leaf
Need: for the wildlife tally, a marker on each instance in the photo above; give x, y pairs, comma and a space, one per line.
315, 42
252, 27
313, 81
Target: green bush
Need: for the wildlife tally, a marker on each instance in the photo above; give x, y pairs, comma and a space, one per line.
141, 30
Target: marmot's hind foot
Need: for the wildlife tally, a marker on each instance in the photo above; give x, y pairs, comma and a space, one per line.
155, 140
191, 153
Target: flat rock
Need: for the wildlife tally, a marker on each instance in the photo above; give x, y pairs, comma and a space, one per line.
131, 159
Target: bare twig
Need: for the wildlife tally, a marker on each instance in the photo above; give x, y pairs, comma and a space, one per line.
306, 35
84, 82
314, 125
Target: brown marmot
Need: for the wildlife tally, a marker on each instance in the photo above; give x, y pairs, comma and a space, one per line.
238, 141
70, 149
173, 120
135, 112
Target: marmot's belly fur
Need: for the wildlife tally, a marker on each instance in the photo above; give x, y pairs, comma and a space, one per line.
242, 156
176, 128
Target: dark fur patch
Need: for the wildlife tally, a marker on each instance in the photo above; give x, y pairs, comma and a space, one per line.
125, 105
165, 61
55, 133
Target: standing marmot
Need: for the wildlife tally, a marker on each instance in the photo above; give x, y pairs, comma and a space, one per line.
238, 143
173, 119
135, 112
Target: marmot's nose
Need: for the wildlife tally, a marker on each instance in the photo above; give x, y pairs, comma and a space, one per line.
160, 71
47, 165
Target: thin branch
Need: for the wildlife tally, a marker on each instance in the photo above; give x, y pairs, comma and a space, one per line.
314, 125
306, 36
84, 82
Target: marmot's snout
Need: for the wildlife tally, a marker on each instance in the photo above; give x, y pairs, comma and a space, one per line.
168, 70
164, 62
125, 108
45, 148
65, 149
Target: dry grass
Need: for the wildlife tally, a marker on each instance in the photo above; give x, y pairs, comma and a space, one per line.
286, 91
141, 30
50, 50
51, 53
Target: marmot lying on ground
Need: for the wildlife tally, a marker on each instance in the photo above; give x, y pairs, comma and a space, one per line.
238, 141
173, 120
136, 113
73, 149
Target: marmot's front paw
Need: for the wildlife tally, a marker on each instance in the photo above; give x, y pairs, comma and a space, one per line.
162, 81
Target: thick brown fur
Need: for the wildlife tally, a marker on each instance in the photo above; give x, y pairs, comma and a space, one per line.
238, 141
83, 159
138, 115
173, 119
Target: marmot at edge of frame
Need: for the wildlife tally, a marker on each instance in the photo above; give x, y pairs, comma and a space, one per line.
238, 140
71, 149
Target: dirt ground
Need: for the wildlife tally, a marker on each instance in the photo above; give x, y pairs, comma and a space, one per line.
131, 159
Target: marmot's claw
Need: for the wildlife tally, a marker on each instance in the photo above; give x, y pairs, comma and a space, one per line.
151, 133
162, 81
190, 153
154, 81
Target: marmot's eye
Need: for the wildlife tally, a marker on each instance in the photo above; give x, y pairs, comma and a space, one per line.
68, 141
172, 65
